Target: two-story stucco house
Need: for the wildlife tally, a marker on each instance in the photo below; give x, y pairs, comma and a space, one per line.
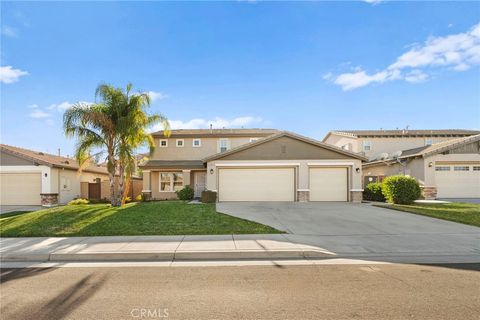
251, 165
445, 162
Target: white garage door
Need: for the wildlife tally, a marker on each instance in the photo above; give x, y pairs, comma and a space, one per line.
458, 181
328, 184
272, 184
20, 188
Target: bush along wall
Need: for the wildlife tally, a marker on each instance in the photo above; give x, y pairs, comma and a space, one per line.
373, 192
401, 189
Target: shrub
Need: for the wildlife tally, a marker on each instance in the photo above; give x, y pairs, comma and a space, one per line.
139, 198
209, 196
94, 201
78, 201
401, 189
128, 199
373, 192
185, 194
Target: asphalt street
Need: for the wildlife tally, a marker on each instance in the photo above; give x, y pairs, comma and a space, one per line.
243, 292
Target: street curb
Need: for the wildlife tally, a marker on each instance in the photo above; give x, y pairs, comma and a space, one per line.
171, 256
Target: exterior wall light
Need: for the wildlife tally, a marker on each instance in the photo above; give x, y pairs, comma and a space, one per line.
430, 164
46, 174
357, 170
211, 171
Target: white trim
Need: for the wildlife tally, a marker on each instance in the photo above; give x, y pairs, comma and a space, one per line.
254, 139
146, 171
199, 145
303, 189
260, 164
46, 181
330, 164
160, 143
177, 141
356, 189
146, 190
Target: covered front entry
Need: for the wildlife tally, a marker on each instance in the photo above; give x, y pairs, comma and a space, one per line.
328, 184
256, 184
21, 188
457, 180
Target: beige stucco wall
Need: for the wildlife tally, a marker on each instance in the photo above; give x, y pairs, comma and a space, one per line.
340, 141
64, 196
392, 145
301, 169
188, 152
151, 182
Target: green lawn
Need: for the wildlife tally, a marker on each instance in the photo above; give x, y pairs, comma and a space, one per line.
466, 213
149, 218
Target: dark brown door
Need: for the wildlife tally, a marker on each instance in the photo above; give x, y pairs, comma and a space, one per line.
94, 191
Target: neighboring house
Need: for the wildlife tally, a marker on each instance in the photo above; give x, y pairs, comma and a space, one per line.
251, 165
448, 169
382, 144
30, 177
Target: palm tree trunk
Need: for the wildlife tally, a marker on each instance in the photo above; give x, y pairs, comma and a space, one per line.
121, 184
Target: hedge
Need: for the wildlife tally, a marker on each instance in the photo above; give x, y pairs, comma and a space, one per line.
401, 189
373, 192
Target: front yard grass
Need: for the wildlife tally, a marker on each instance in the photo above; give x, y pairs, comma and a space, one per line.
145, 218
466, 213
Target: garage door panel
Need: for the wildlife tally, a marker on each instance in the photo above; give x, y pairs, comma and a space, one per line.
272, 184
20, 188
328, 184
458, 184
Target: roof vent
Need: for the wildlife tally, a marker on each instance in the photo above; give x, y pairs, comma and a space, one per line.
41, 153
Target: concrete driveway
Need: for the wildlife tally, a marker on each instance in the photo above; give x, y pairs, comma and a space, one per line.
361, 229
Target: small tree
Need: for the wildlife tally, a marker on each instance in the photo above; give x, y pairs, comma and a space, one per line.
401, 189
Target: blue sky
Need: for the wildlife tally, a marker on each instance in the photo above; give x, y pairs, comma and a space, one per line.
307, 67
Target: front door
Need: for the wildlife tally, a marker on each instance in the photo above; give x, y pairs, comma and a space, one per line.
199, 180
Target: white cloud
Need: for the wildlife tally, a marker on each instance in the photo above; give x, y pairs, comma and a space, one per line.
416, 76
61, 106
457, 52
9, 31
39, 114
373, 1
156, 95
10, 75
217, 123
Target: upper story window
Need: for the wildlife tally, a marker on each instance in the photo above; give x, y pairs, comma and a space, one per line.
196, 143
367, 145
428, 142
254, 139
180, 143
223, 145
163, 143
476, 168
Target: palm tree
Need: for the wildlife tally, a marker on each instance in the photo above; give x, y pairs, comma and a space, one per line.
115, 128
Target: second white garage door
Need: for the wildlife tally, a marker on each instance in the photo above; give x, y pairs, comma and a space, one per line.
328, 184
20, 188
248, 184
458, 181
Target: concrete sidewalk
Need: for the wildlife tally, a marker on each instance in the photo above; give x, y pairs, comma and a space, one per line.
157, 248
238, 247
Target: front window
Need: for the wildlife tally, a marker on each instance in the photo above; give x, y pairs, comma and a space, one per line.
164, 143
223, 145
367, 146
197, 143
170, 181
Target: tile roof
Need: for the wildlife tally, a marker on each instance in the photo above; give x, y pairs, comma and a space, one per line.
217, 132
406, 133
50, 160
440, 146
